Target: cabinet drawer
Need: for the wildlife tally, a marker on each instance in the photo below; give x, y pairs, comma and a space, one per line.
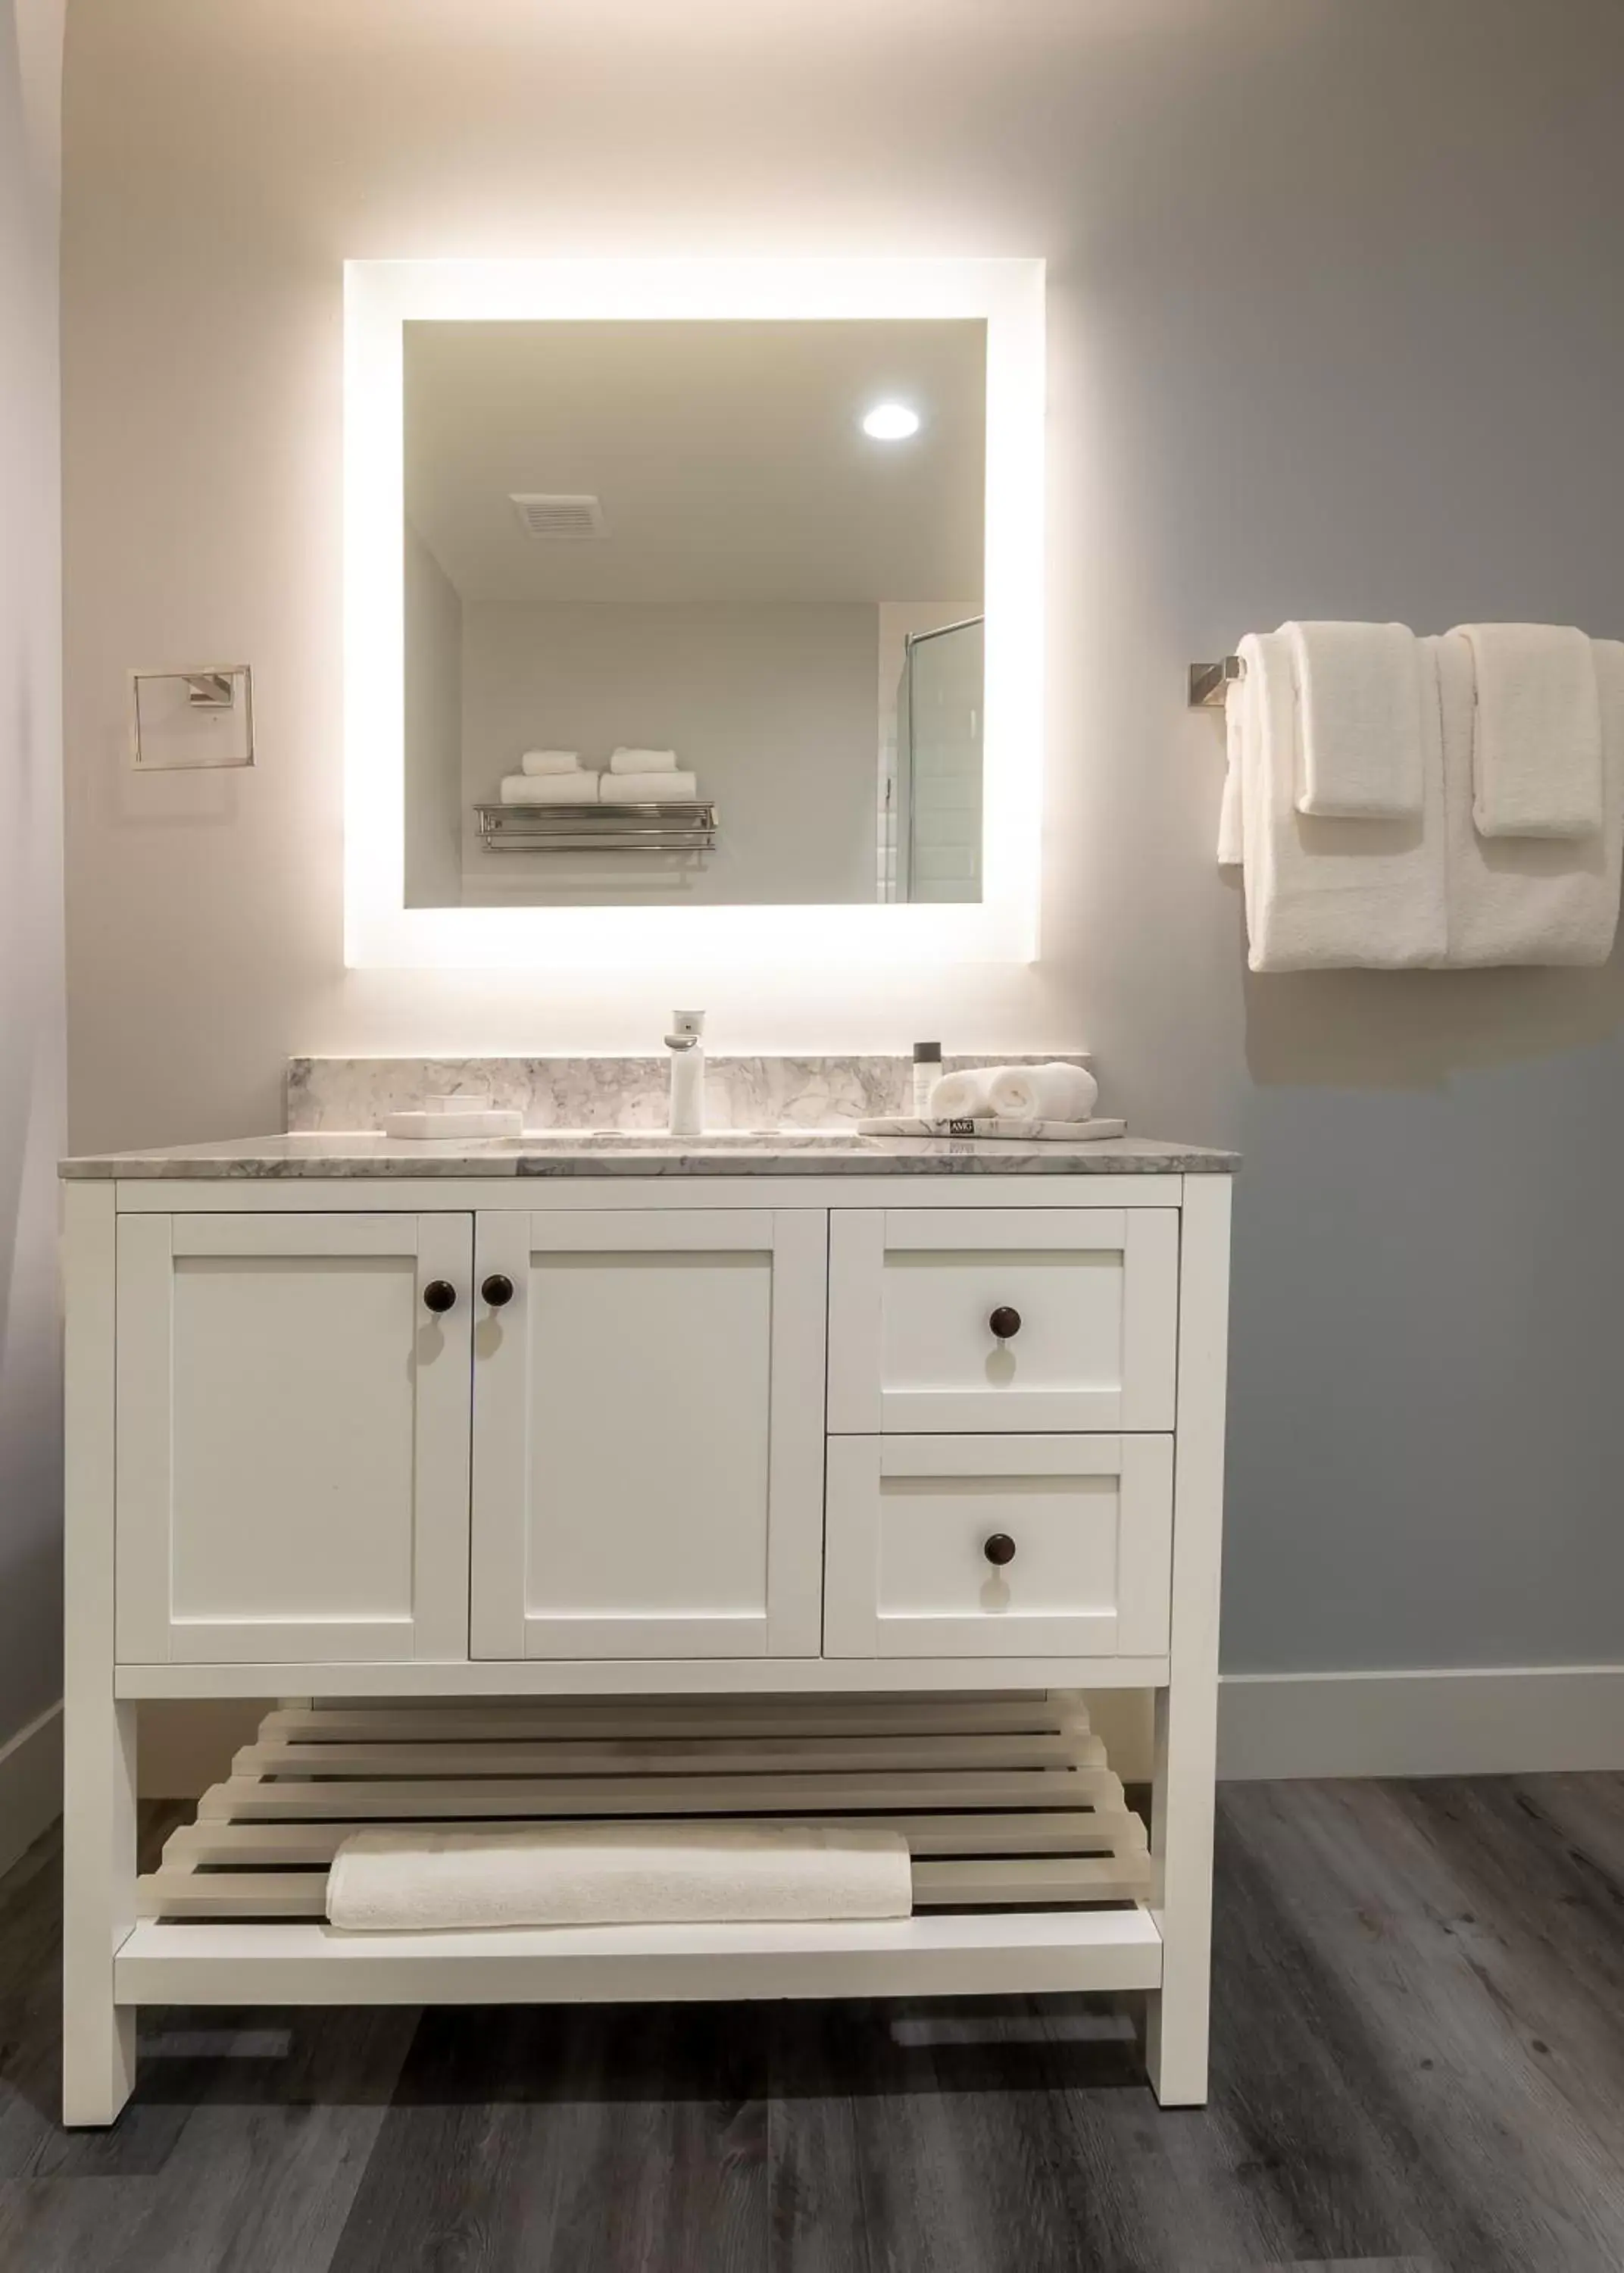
1018, 1318
907, 1572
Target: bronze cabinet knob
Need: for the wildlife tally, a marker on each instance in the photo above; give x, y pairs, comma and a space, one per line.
439, 1295
497, 1290
1000, 1549
1005, 1323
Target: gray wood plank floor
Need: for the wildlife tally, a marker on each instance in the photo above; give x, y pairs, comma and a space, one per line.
1418, 2067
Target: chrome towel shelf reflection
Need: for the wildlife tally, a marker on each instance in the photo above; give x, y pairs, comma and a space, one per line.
1210, 682
675, 825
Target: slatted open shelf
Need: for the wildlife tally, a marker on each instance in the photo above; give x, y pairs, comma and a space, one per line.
1008, 1806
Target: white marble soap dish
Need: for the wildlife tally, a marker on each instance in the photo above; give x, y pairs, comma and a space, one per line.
448, 1118
1025, 1132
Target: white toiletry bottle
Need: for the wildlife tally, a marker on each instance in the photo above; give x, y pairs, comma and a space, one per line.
685, 1043
927, 1073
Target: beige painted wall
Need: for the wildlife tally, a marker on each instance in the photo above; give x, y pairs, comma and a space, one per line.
33, 1053
1336, 329
433, 730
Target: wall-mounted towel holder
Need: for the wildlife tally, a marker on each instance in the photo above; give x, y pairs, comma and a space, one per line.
1210, 682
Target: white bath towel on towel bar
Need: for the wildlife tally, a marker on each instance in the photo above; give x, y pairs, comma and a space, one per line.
422, 1881
1323, 894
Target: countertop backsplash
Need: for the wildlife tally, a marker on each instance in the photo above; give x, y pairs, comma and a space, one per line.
353, 1094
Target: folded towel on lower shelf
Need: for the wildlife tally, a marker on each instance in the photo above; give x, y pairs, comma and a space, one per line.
1536, 731
550, 761
551, 789
647, 788
1045, 1093
423, 1881
1528, 899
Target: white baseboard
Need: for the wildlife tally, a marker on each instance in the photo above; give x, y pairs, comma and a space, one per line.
30, 1784
1488, 1720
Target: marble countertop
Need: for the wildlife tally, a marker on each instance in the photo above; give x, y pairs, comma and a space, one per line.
608, 1152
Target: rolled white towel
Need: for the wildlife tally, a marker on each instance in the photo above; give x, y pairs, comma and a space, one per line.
645, 789
551, 789
642, 761
562, 1874
962, 1095
1044, 1092
550, 761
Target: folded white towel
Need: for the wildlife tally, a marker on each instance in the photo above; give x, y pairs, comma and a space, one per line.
550, 761
551, 789
418, 1881
1359, 696
964, 1096
1537, 736
642, 761
1320, 894
1528, 899
645, 789
1045, 1093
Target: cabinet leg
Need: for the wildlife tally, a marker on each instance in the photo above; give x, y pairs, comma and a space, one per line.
97, 1906
1176, 2021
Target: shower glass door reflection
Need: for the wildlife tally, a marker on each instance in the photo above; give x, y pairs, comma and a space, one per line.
939, 764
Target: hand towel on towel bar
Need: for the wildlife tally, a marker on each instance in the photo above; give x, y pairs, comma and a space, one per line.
1045, 1093
419, 1881
551, 789
1358, 692
642, 761
1528, 899
550, 761
647, 788
1323, 894
1536, 732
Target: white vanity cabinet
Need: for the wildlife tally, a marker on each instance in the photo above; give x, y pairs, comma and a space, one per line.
648, 1432
848, 1481
291, 1437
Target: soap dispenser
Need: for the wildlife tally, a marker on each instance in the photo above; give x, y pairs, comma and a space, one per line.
687, 1043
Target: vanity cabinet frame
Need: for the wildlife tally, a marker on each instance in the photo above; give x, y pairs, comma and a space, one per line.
115, 1961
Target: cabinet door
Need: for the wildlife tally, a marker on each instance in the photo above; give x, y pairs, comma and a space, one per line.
648, 1433
999, 1546
293, 1437
1014, 1318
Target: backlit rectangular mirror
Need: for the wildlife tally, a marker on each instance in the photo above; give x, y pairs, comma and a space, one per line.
753, 552
692, 609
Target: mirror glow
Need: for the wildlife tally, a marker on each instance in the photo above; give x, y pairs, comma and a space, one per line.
383, 299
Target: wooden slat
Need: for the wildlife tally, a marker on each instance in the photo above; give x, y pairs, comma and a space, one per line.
541, 1720
246, 1799
943, 1953
1013, 1883
1070, 1831
645, 1755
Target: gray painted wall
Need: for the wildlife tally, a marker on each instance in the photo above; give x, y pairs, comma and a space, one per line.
774, 709
32, 1027
1336, 329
